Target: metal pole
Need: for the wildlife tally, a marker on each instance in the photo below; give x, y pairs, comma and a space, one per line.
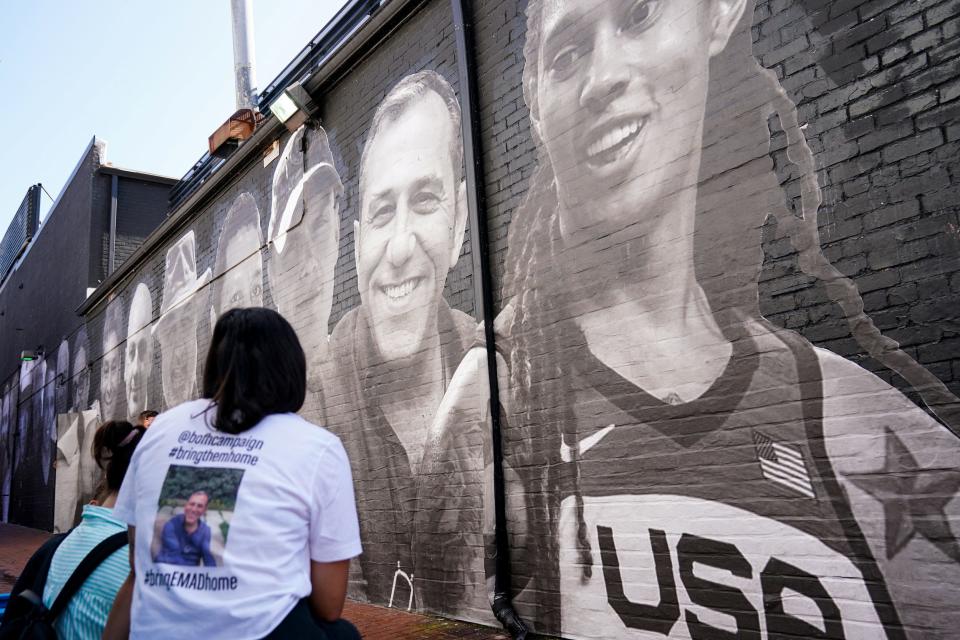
245, 77
473, 160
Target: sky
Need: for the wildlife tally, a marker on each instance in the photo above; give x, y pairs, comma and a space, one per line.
151, 79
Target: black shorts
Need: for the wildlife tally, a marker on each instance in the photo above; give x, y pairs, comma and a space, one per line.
300, 623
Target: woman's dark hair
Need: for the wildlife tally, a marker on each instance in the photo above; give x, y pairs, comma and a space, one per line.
113, 446
255, 367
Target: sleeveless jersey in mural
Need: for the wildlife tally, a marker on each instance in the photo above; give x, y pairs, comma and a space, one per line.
716, 518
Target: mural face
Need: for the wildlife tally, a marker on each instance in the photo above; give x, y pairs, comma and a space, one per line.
238, 260
62, 393
7, 431
139, 350
112, 396
176, 329
411, 224
304, 234
620, 93
48, 418
80, 374
25, 414
393, 356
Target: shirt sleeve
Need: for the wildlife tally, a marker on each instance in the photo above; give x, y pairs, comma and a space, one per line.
334, 528
125, 508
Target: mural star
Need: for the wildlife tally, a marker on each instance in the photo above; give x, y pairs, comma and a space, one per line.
913, 499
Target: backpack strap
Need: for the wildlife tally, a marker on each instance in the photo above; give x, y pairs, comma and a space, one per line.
88, 565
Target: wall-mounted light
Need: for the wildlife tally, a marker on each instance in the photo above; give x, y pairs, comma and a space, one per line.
294, 106
29, 356
238, 127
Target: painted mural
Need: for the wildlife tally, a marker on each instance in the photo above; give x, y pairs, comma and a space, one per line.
700, 472
677, 464
394, 355
138, 353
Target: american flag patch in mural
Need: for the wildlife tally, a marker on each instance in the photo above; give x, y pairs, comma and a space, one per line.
783, 464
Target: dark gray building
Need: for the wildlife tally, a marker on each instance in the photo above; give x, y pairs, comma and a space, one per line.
103, 213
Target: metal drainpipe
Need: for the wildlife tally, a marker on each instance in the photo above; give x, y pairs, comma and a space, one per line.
483, 295
114, 194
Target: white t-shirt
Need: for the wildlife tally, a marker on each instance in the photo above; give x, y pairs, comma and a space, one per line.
227, 524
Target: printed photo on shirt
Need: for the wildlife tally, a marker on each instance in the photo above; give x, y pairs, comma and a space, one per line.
193, 515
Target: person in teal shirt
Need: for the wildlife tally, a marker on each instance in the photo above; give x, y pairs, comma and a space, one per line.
86, 615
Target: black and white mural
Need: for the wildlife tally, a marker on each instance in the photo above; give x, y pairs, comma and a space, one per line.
238, 267
112, 393
80, 372
176, 328
394, 355
8, 431
694, 470
138, 353
678, 462
304, 236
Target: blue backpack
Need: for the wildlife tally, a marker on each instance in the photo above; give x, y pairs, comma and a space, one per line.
26, 618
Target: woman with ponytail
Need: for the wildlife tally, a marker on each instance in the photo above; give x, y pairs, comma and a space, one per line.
268, 526
693, 470
113, 446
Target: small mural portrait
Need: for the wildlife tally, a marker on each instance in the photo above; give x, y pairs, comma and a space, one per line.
238, 267
304, 234
23, 409
36, 464
138, 362
696, 471
394, 355
80, 372
112, 395
48, 416
62, 397
176, 329
79, 474
7, 432
193, 516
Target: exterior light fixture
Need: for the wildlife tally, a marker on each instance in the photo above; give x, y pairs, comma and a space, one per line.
294, 106
238, 127
29, 356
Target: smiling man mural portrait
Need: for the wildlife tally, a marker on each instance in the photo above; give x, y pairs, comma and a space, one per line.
403, 340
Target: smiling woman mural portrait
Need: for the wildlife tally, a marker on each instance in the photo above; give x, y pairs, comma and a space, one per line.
699, 471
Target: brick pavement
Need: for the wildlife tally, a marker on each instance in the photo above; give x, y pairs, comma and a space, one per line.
380, 623
375, 623
16, 545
